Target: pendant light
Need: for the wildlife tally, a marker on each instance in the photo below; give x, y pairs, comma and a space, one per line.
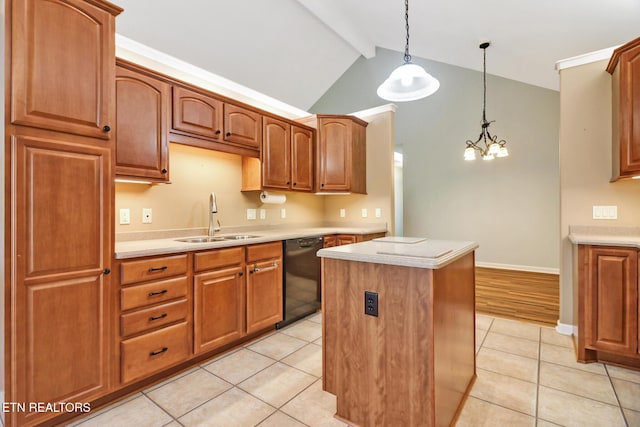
487, 145
409, 81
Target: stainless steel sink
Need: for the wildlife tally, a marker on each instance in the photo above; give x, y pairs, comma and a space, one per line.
207, 239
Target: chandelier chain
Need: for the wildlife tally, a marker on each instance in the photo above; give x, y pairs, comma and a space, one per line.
484, 81
407, 57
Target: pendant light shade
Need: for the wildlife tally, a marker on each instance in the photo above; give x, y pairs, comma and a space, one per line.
409, 81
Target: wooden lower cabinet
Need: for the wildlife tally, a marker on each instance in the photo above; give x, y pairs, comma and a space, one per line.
264, 286
219, 299
346, 239
608, 305
155, 318
59, 315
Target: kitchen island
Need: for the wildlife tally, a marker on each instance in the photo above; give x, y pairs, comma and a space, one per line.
404, 352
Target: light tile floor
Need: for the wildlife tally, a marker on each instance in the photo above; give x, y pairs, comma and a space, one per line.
527, 376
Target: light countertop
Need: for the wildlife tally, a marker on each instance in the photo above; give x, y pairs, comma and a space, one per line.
407, 252
169, 244
605, 236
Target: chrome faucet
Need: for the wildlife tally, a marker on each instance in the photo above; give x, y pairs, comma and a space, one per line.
213, 208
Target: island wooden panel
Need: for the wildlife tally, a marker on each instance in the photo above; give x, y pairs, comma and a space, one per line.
414, 364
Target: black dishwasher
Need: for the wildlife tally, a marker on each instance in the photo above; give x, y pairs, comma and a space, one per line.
301, 278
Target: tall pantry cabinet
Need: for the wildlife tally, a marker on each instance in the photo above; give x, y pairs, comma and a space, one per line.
59, 151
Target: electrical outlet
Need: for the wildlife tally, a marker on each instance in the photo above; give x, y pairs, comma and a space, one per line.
343, 213
263, 214
371, 303
378, 212
146, 216
283, 213
364, 213
251, 214
125, 216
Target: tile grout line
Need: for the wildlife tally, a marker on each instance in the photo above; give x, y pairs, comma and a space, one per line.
538, 378
615, 393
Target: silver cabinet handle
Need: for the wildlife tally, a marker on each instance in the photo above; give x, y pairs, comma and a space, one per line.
271, 267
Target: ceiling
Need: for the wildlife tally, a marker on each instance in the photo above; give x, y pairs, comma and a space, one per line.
294, 50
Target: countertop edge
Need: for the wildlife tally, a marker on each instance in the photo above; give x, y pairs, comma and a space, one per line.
142, 248
353, 253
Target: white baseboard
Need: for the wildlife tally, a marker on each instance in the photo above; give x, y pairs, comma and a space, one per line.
515, 267
566, 329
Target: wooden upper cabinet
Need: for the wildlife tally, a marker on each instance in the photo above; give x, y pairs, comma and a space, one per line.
197, 114
302, 157
276, 154
625, 69
62, 66
341, 154
142, 149
242, 126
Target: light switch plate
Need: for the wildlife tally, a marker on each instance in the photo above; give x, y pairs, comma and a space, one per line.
251, 214
364, 213
283, 213
263, 214
605, 212
125, 216
378, 212
147, 217
343, 213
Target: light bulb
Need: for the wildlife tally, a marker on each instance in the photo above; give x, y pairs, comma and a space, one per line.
487, 156
469, 153
494, 148
503, 152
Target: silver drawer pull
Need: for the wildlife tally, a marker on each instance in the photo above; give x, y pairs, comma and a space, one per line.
162, 350
256, 268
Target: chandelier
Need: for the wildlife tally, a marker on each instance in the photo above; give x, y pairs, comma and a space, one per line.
409, 81
487, 145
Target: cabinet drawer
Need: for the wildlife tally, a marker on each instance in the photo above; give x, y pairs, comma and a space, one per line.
152, 293
152, 268
264, 251
154, 351
218, 258
153, 317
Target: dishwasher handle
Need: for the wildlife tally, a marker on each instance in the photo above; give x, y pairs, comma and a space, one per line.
310, 242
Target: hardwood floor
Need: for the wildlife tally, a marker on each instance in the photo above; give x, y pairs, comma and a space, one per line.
518, 295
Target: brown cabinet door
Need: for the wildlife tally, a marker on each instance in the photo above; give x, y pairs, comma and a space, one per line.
611, 306
197, 114
629, 113
276, 167
346, 239
242, 127
62, 66
142, 108
264, 294
301, 159
219, 306
334, 154
329, 241
62, 245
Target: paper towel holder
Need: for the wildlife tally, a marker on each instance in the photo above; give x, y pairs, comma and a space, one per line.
266, 197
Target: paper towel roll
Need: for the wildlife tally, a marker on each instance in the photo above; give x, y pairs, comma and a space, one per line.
266, 197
